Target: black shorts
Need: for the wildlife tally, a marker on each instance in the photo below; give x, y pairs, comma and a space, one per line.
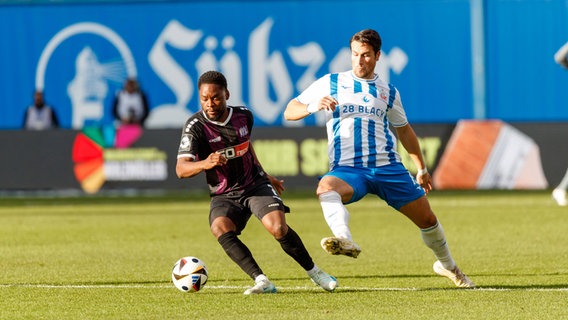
260, 200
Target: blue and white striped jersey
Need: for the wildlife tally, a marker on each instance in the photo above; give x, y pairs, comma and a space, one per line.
358, 130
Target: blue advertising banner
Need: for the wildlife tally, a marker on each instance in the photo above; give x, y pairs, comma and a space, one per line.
81, 53
523, 80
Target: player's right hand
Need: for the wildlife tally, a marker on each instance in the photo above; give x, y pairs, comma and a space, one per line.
328, 103
215, 159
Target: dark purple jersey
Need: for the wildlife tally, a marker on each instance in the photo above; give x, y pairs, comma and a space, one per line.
201, 137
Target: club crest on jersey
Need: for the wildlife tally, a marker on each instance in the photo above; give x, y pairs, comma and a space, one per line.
185, 142
383, 94
243, 131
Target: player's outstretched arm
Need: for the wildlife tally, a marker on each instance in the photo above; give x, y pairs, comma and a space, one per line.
295, 110
187, 167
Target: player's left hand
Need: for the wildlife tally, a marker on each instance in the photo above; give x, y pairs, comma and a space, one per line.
276, 183
425, 181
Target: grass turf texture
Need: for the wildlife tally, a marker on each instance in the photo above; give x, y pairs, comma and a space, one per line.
111, 258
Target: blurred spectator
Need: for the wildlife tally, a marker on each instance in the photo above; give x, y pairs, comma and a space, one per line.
40, 116
130, 104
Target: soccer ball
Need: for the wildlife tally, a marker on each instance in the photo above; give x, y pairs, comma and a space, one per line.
189, 274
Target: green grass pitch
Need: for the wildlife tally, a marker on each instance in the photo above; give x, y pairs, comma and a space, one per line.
109, 257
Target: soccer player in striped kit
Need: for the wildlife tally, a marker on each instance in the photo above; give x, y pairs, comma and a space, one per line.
559, 193
359, 109
217, 141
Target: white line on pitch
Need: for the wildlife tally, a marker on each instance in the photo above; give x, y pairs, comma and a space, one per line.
224, 287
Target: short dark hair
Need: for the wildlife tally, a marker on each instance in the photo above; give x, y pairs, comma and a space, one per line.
212, 77
368, 36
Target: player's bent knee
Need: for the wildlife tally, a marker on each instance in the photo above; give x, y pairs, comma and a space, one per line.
220, 226
277, 227
430, 221
278, 231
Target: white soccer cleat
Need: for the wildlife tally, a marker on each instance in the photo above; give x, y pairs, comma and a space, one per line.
335, 246
324, 280
460, 279
560, 196
262, 285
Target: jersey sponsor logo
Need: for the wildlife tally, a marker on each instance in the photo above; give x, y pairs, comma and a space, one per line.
235, 151
362, 109
216, 139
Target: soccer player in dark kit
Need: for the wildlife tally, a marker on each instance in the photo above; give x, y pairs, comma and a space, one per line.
217, 141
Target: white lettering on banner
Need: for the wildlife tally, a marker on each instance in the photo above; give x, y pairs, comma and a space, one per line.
174, 76
136, 170
232, 68
230, 63
396, 61
312, 56
265, 68
270, 85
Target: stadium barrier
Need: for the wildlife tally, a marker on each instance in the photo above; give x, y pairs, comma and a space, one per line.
98, 159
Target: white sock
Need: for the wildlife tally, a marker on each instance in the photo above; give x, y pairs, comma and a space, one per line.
435, 239
260, 277
335, 214
564, 183
313, 270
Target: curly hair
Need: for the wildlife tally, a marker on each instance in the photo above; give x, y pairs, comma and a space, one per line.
212, 77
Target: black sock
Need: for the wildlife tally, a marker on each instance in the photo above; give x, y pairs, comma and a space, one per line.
239, 253
294, 247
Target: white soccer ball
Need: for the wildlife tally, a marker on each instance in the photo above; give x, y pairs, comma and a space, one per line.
189, 274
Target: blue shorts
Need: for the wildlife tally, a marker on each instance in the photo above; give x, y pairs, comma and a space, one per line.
392, 183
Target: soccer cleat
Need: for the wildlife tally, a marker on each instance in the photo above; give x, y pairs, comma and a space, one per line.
335, 246
460, 279
262, 285
560, 196
324, 280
